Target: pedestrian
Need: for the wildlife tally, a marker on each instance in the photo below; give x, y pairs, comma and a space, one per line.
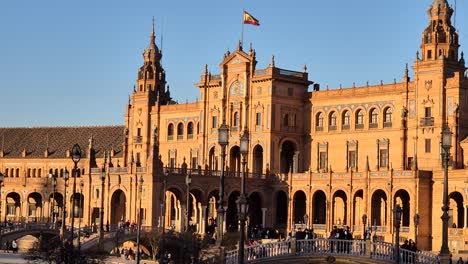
14, 246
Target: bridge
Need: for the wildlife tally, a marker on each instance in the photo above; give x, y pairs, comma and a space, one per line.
323, 250
18, 230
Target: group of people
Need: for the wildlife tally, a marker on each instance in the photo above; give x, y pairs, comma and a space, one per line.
13, 246
409, 245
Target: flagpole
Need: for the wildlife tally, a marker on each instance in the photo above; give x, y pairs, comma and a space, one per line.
242, 32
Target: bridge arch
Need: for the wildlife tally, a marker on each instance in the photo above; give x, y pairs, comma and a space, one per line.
35, 209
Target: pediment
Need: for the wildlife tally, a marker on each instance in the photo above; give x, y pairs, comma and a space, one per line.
238, 57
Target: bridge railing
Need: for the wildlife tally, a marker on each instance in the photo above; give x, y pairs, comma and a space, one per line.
337, 247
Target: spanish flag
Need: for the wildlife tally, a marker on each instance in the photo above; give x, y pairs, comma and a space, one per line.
249, 19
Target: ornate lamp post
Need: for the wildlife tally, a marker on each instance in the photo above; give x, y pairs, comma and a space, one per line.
188, 181
75, 156
397, 212
64, 208
54, 183
140, 189
364, 222
416, 223
101, 213
223, 141
242, 204
446, 143
81, 206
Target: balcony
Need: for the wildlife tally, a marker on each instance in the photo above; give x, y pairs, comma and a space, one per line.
426, 121
359, 126
189, 136
387, 124
345, 127
331, 128
373, 125
118, 170
180, 137
319, 128
138, 139
170, 137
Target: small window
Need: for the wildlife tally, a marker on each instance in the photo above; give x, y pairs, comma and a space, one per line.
258, 119
139, 132
214, 122
428, 145
346, 118
286, 120
235, 122
383, 158
429, 54
319, 122
190, 129
322, 160
427, 112
290, 91
352, 159
332, 121
170, 132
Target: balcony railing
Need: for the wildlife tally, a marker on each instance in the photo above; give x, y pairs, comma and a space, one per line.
331, 128
141, 169
345, 127
180, 137
426, 121
359, 126
170, 137
373, 125
138, 139
96, 170
118, 170
387, 124
319, 128
189, 136
404, 229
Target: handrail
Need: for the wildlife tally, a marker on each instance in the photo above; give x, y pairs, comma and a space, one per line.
337, 247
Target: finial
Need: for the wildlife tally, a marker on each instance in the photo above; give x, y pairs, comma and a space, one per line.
462, 59
354, 84
152, 32
417, 55
341, 86
394, 80
367, 83
239, 45
406, 71
205, 72
250, 48
305, 68
134, 88
381, 82
272, 64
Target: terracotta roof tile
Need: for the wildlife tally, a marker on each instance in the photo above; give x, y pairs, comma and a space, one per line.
35, 140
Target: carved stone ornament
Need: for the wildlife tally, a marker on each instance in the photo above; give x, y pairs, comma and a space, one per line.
428, 84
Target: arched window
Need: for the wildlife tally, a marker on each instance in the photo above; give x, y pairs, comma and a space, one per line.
286, 120
39, 173
388, 117
319, 122
373, 116
6, 172
180, 131
332, 121
345, 120
235, 121
359, 119
198, 128
17, 173
170, 132
190, 130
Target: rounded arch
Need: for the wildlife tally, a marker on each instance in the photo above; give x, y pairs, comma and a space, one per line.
299, 207
190, 129
359, 114
211, 211
288, 159
456, 210
235, 121
319, 207
358, 206
234, 168
345, 118
379, 208
118, 207
35, 205
78, 204
332, 119
373, 117
13, 205
180, 130
387, 115
255, 209
402, 198
258, 160
212, 159
232, 217
170, 131
281, 208
340, 209
319, 120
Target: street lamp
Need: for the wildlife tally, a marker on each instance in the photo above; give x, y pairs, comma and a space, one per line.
75, 156
188, 181
416, 223
446, 143
242, 204
54, 183
64, 208
364, 222
397, 212
101, 213
140, 189
81, 206
223, 141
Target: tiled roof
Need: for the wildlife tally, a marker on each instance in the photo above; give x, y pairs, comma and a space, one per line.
60, 139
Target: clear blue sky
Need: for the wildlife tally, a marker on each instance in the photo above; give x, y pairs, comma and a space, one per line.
68, 63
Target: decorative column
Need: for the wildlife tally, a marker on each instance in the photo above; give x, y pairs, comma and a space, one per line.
203, 219
465, 208
263, 216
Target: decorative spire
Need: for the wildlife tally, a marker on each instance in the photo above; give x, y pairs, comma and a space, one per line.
239, 45
406, 71
272, 64
152, 52
152, 33
305, 68
205, 71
